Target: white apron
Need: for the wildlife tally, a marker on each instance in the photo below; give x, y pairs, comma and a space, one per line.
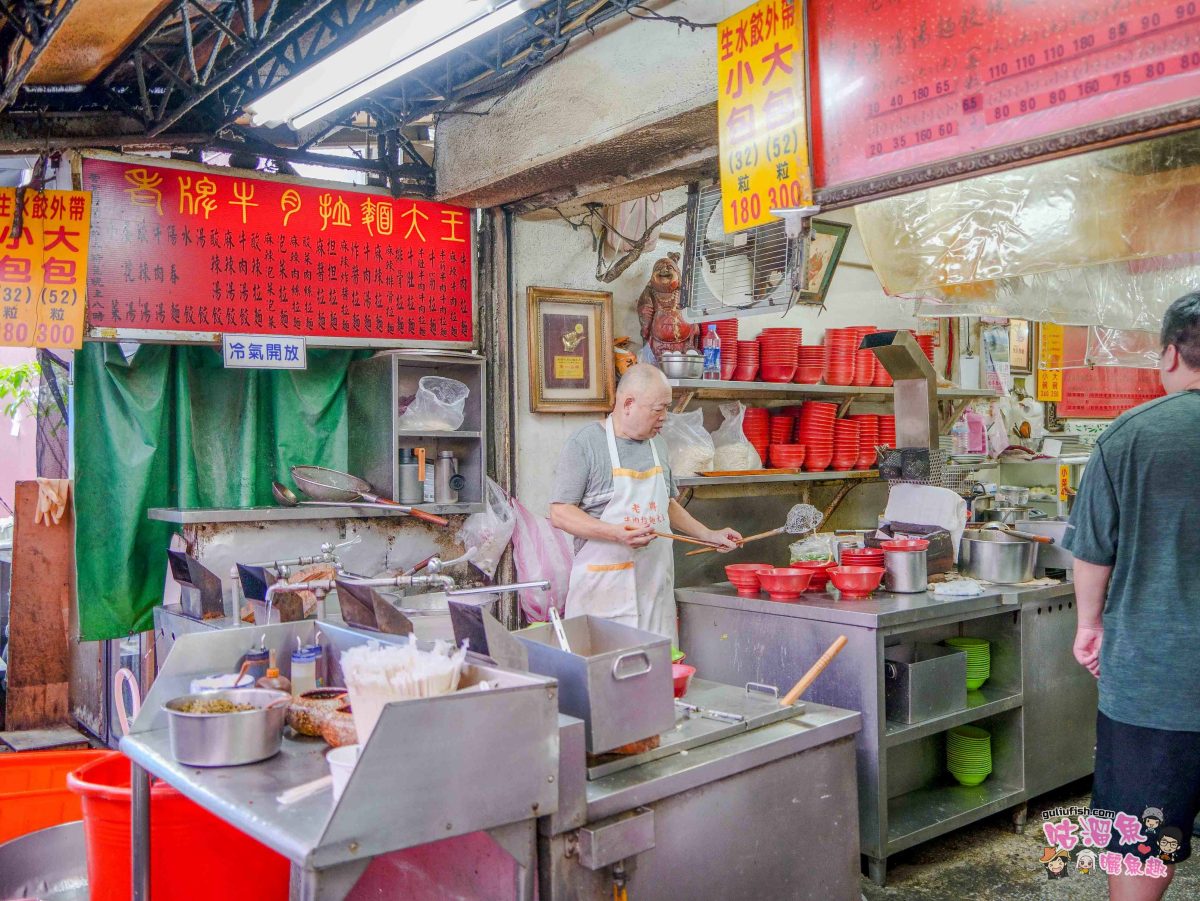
610, 580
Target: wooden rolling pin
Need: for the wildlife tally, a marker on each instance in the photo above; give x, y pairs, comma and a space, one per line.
811, 676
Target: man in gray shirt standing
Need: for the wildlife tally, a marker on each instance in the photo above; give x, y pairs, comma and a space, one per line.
614, 492
1135, 534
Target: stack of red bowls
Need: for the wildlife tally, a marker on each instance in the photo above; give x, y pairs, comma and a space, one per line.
810, 364
756, 428
926, 342
815, 432
744, 576
778, 353
868, 437
783, 427
747, 361
840, 345
882, 379
820, 573
887, 430
727, 331
862, 556
845, 444
864, 360
787, 456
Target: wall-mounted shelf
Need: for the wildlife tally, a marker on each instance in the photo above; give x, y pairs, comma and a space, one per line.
825, 476
406, 433
199, 515
722, 390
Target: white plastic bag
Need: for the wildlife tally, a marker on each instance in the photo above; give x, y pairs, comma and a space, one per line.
733, 449
438, 405
646, 355
541, 551
690, 448
490, 530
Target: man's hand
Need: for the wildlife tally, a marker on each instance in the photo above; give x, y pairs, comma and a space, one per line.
1087, 647
727, 538
633, 537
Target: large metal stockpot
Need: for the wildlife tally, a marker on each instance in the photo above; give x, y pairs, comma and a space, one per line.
993, 556
617, 679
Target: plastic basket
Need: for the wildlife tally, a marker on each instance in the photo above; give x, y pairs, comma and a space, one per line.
34, 793
194, 856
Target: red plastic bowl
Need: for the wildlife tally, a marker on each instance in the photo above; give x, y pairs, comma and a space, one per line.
784, 583
744, 576
682, 674
856, 581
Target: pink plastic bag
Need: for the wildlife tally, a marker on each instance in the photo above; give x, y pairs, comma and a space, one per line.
541, 551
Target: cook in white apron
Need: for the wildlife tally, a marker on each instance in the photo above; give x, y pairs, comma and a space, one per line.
610, 580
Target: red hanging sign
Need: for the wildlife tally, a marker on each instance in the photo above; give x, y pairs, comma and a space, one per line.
903, 84
190, 249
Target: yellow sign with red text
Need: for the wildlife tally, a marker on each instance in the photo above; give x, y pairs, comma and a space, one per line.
1064, 482
43, 267
762, 113
1049, 362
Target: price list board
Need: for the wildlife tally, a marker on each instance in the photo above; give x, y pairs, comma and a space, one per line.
191, 250
907, 92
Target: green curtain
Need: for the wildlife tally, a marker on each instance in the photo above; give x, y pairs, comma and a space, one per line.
171, 427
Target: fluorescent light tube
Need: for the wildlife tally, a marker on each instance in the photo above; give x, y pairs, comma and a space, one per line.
417, 36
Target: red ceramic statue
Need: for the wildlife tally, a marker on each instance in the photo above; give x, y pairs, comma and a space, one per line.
658, 309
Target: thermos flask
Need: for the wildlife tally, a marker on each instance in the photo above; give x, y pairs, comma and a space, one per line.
412, 475
447, 482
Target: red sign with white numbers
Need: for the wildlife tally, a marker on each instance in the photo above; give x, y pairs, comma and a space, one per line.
901, 84
196, 250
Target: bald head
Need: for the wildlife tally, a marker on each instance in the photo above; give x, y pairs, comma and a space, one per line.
643, 398
640, 379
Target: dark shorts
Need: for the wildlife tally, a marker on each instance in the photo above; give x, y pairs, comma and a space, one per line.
1139, 768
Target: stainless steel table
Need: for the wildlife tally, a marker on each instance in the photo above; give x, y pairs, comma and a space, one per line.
450, 782
761, 808
1039, 704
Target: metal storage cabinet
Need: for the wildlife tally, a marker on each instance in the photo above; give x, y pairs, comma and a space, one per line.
375, 387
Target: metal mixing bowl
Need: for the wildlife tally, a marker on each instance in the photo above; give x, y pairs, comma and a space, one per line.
682, 366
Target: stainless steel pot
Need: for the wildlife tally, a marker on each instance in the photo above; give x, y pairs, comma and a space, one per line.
677, 365
996, 557
228, 739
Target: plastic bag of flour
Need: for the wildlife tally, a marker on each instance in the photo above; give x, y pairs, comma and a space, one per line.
732, 449
690, 448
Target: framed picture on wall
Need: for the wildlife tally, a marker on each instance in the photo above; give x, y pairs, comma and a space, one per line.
825, 245
570, 351
1022, 339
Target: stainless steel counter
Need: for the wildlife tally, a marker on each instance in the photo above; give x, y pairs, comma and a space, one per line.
1039, 705
879, 611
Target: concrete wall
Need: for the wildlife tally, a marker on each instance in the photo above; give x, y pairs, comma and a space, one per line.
604, 111
549, 253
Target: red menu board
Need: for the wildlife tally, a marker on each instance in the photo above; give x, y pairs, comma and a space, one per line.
904, 84
190, 249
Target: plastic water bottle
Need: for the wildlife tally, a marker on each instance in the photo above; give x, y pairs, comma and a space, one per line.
960, 438
712, 354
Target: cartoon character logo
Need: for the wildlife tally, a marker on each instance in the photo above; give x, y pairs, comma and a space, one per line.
1085, 862
1055, 861
1152, 818
1169, 843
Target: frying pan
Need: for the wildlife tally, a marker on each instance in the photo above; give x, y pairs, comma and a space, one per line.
323, 484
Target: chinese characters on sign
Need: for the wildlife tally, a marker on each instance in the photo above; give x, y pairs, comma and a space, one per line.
43, 267
194, 250
1049, 363
761, 110
264, 352
1143, 845
899, 84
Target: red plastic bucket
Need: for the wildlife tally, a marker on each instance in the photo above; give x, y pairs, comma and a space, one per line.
33, 790
193, 854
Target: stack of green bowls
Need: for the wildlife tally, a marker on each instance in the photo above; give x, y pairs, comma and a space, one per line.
969, 754
979, 659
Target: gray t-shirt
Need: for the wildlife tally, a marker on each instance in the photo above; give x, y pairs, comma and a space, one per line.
584, 475
1138, 510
